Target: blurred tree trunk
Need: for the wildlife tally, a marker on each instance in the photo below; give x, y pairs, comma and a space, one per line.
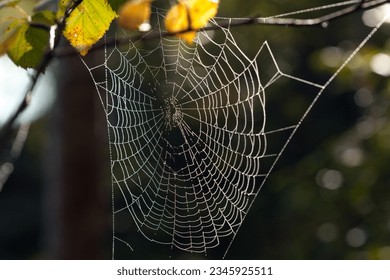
77, 205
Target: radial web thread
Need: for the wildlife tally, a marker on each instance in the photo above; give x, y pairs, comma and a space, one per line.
189, 135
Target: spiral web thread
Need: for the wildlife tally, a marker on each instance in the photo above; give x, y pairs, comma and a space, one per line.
189, 137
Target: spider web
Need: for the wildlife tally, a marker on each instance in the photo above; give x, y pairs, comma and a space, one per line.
190, 141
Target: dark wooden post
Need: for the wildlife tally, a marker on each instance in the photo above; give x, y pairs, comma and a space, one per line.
77, 194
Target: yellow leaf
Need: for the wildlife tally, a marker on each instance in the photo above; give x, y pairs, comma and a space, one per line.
135, 14
190, 15
177, 21
177, 18
88, 23
62, 6
9, 32
201, 11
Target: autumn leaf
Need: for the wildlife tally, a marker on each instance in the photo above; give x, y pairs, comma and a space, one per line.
25, 43
8, 28
201, 11
9, 31
135, 14
62, 6
87, 23
177, 21
28, 47
190, 15
8, 3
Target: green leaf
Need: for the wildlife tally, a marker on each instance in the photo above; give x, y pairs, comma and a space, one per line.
23, 43
8, 31
8, 3
62, 6
44, 17
88, 23
28, 46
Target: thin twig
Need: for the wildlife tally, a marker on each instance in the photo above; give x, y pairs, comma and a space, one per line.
7, 164
34, 78
6, 129
225, 23
55, 51
68, 51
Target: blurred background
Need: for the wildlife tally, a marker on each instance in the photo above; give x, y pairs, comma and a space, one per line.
327, 198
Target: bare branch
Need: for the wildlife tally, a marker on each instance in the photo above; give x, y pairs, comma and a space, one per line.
7, 164
41, 68
224, 23
6, 129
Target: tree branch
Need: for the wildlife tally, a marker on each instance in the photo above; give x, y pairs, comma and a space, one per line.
41, 68
7, 164
55, 51
6, 129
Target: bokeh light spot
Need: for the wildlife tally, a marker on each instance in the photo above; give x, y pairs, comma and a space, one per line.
331, 56
372, 17
327, 232
363, 97
380, 64
329, 179
352, 157
356, 237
